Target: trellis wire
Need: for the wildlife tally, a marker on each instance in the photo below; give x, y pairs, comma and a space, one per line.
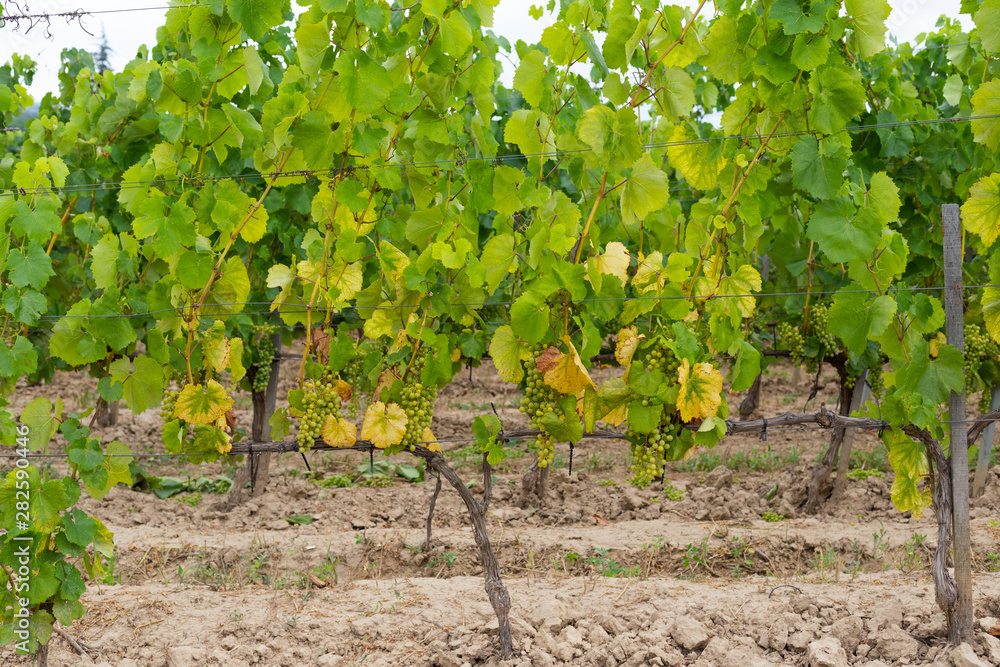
553, 154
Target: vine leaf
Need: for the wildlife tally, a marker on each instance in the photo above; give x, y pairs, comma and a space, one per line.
991, 300
384, 425
988, 21
339, 432
143, 385
41, 421
628, 343
981, 212
700, 390
114, 469
856, 319
202, 404
505, 349
614, 262
986, 102
257, 16
909, 462
869, 24
564, 372
430, 442
645, 191
932, 378
842, 232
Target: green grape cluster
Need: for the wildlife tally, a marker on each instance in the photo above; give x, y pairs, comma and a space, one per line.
261, 337
418, 404
539, 398
818, 324
649, 451
319, 401
663, 359
791, 340
982, 361
167, 406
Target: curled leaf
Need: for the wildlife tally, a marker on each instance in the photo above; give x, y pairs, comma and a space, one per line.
430, 442
628, 343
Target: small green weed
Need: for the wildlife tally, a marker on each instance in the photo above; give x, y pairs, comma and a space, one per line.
672, 492
190, 499
335, 482
609, 568
772, 517
608, 482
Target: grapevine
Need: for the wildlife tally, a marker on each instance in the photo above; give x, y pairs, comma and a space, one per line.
791, 340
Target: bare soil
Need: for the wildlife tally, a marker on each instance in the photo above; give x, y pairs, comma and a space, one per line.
600, 573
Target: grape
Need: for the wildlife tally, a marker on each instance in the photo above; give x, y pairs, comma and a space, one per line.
875, 379
792, 340
319, 401
418, 404
261, 337
982, 362
167, 406
818, 328
649, 450
351, 374
539, 398
663, 359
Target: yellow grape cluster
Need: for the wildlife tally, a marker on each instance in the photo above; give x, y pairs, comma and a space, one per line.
260, 336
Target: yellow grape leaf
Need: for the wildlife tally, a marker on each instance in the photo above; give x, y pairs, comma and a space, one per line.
564, 372
379, 324
339, 432
981, 212
650, 276
385, 381
937, 342
384, 425
908, 459
628, 343
614, 261
701, 391
202, 404
430, 442
236, 369
216, 352
343, 390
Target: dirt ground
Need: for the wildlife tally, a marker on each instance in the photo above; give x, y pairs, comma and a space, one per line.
715, 567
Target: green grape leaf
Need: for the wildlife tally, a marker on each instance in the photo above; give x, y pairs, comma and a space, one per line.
613, 136
257, 16
981, 211
816, 174
113, 257
809, 51
645, 190
868, 20
143, 384
747, 367
41, 422
676, 94
883, 198
794, 20
855, 318
644, 418
909, 461
497, 258
37, 224
485, 429
986, 103
194, 269
280, 424
311, 43
86, 454
988, 23
67, 611
115, 470
531, 76
17, 360
932, 378
564, 425
837, 98
80, 529
29, 265
698, 162
365, 83
529, 316
724, 57
70, 342
506, 352
842, 232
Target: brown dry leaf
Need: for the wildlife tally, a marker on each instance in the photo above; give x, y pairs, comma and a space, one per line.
547, 359
317, 582
995, 630
231, 421
321, 345
601, 520
385, 381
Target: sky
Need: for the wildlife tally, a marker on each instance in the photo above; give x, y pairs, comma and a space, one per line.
128, 30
